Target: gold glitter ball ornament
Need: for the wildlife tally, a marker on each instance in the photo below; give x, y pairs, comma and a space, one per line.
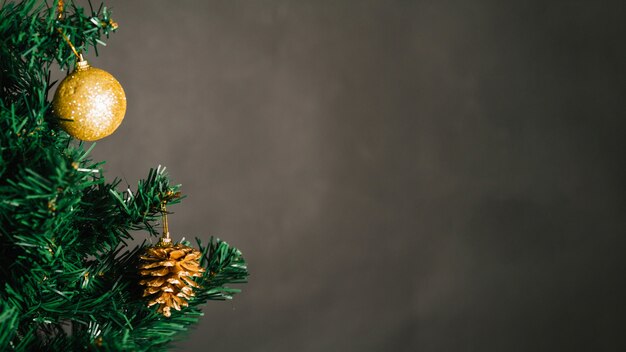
168, 270
89, 103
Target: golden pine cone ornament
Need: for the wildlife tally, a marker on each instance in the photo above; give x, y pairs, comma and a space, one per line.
168, 272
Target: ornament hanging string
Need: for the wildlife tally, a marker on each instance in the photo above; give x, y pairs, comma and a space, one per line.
60, 10
79, 56
166, 231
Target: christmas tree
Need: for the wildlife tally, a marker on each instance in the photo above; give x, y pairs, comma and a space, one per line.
69, 279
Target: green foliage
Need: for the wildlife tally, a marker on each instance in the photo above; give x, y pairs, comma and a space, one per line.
68, 280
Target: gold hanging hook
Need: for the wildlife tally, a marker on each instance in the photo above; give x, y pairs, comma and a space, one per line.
60, 10
166, 231
79, 56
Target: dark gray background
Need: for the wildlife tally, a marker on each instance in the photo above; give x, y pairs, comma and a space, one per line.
401, 175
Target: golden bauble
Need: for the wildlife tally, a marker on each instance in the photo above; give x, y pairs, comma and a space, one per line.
89, 103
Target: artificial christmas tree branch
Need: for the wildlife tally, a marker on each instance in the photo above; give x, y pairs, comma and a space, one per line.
68, 278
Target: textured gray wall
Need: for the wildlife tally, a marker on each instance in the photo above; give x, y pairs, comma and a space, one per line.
401, 175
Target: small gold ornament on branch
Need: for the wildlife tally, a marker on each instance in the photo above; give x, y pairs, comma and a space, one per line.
168, 270
90, 103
